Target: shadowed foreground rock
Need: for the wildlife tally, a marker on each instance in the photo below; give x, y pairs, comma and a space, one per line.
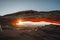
48, 32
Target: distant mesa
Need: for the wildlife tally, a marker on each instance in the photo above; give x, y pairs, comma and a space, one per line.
52, 16
55, 15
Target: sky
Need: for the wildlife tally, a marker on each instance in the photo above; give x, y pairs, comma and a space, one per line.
11, 6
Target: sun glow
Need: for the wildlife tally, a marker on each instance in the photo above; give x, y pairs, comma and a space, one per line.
42, 23
19, 23
34, 21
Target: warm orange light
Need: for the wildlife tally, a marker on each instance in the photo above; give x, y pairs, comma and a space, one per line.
20, 22
23, 21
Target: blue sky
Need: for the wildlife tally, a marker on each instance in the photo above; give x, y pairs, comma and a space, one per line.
11, 6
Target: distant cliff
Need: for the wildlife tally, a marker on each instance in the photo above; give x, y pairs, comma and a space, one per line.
31, 13
54, 15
